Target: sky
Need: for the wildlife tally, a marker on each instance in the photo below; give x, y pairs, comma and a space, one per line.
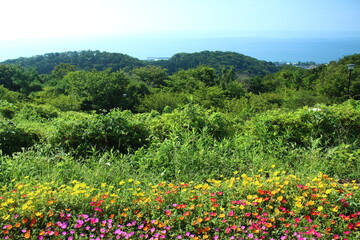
29, 24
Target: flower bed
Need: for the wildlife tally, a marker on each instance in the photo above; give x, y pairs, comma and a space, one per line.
271, 205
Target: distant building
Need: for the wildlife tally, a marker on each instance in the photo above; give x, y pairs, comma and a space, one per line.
157, 58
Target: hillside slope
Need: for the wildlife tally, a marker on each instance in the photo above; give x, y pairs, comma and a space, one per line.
217, 59
87, 60
83, 60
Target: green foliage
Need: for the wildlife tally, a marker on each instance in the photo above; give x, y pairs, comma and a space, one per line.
342, 161
81, 133
98, 89
293, 99
218, 60
83, 60
335, 81
10, 96
332, 125
160, 100
192, 79
14, 138
188, 119
62, 69
56, 97
252, 104
197, 123
7, 109
210, 97
39, 113
16, 78
152, 75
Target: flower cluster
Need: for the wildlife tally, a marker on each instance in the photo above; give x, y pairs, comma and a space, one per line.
274, 206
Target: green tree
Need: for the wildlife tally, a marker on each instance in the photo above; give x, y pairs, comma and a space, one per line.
334, 82
191, 79
98, 89
62, 69
152, 75
16, 78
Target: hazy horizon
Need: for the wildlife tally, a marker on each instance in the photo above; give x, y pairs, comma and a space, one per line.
320, 48
142, 28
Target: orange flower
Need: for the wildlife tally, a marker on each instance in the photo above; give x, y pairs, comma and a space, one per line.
27, 235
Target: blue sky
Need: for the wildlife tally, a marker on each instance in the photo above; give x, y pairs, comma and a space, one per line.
23, 19
27, 23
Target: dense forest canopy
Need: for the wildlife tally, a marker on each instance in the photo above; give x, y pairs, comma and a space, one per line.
241, 63
87, 60
93, 80
83, 60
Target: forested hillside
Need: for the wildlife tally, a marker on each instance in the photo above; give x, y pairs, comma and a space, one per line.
83, 60
218, 60
217, 146
87, 60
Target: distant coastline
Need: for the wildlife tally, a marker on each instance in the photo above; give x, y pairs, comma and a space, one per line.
304, 49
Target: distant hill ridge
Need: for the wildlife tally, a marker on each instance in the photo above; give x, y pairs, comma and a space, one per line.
87, 60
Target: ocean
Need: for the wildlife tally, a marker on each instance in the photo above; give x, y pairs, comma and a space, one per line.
319, 50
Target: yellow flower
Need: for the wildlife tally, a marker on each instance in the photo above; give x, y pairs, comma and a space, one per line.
310, 203
299, 205
320, 208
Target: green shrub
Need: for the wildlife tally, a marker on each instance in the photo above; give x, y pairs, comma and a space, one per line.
13, 138
190, 118
80, 132
333, 125
7, 109
158, 101
40, 113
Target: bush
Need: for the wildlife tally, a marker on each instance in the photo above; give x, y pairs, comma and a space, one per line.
190, 118
81, 133
333, 125
13, 138
158, 101
7, 109
40, 113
